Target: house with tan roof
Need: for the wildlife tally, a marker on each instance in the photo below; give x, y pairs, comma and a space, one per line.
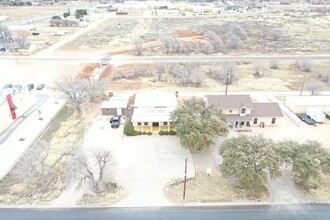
242, 113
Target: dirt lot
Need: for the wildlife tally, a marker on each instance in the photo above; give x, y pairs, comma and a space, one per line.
304, 31
17, 13
287, 78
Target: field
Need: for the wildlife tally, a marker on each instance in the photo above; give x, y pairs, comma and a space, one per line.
17, 13
304, 30
287, 78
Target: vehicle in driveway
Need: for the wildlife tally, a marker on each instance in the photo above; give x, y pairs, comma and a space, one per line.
115, 121
327, 116
40, 86
307, 119
30, 86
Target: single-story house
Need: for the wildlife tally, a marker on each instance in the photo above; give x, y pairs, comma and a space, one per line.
117, 105
241, 112
152, 111
300, 104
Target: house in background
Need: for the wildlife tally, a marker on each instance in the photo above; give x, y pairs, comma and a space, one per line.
300, 104
117, 105
152, 111
242, 113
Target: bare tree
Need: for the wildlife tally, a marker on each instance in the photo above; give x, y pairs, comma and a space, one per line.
234, 42
138, 43
314, 86
141, 71
36, 169
324, 74
93, 169
260, 69
172, 44
96, 89
160, 70
225, 72
188, 73
74, 90
275, 64
215, 41
237, 30
228, 73
208, 48
21, 39
196, 76
5, 36
304, 65
276, 35
55, 22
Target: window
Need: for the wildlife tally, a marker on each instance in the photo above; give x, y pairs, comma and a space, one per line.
243, 110
230, 111
139, 123
165, 123
273, 120
145, 123
255, 121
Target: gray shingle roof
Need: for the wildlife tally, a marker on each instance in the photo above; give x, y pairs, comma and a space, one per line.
230, 101
266, 110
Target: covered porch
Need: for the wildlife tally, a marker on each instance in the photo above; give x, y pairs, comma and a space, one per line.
239, 123
153, 127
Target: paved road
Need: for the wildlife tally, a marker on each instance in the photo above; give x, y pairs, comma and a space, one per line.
317, 212
29, 128
165, 59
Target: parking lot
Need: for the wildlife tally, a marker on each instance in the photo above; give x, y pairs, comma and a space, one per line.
144, 164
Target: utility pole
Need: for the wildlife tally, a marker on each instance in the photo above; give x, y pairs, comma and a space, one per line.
227, 76
303, 84
185, 180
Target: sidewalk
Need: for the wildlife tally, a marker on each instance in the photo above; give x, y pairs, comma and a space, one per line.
17, 139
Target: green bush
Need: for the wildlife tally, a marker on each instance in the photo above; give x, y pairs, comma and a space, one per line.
139, 132
135, 133
166, 132
144, 133
129, 130
172, 132
66, 14
161, 133
149, 133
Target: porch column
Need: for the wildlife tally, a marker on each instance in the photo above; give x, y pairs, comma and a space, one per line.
142, 126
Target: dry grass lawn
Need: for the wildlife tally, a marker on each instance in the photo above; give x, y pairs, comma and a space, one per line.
322, 192
105, 199
213, 188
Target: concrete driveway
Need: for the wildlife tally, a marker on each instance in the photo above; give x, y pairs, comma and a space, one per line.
144, 164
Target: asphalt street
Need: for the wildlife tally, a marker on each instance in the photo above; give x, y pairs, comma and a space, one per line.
165, 59
262, 212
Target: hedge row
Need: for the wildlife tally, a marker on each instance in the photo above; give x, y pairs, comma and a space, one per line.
129, 131
171, 132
